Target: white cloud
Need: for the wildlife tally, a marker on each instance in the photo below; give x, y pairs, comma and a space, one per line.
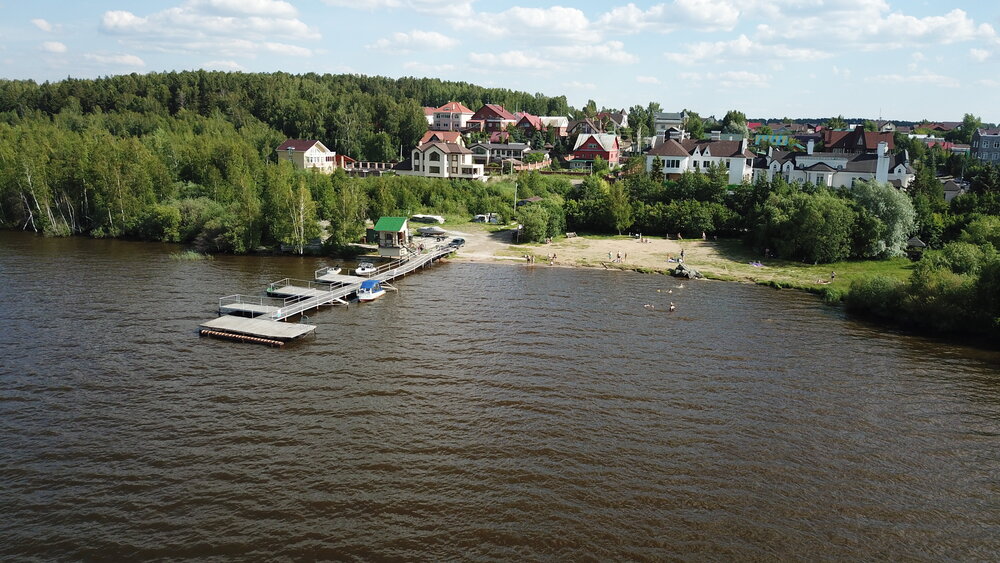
647, 79
286, 49
42, 24
197, 20
577, 85
425, 68
53, 47
451, 8
729, 79
700, 15
416, 40
844, 73
511, 60
979, 55
742, 48
868, 25
222, 65
537, 24
263, 8
925, 77
610, 52
122, 60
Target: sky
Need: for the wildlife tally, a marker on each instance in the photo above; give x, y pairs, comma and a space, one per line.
903, 60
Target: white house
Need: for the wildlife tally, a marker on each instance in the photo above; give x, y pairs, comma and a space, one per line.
443, 160
452, 116
691, 155
837, 169
305, 154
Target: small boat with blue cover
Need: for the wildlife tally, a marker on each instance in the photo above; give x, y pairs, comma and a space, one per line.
370, 290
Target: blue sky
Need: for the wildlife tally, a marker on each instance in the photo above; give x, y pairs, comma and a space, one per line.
769, 58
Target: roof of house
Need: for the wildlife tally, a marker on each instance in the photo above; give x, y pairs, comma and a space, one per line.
429, 110
512, 146
606, 141
554, 120
454, 107
864, 162
716, 148
497, 110
300, 145
391, 224
669, 115
856, 138
573, 125
988, 131
820, 167
442, 136
447, 148
499, 137
668, 148
532, 120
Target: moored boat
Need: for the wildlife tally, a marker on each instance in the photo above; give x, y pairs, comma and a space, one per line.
365, 269
370, 290
431, 231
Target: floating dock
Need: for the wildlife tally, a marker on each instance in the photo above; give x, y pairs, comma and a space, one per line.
262, 320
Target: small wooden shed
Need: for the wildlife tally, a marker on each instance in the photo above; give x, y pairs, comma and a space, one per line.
393, 234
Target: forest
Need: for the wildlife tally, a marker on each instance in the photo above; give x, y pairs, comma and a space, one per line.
188, 157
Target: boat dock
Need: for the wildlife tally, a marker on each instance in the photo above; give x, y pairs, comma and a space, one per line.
263, 320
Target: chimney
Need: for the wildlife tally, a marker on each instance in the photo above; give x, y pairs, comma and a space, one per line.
743, 145
882, 165
810, 146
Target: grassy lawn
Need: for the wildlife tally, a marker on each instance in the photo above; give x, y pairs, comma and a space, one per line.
730, 260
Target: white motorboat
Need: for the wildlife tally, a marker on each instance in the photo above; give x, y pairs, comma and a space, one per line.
370, 290
365, 269
431, 231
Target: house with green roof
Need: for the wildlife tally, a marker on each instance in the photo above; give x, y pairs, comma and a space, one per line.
393, 236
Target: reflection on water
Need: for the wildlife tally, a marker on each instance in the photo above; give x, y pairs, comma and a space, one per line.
483, 412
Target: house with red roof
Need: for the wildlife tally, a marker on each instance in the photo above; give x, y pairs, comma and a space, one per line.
492, 117
307, 154
591, 145
452, 116
442, 137
429, 115
856, 141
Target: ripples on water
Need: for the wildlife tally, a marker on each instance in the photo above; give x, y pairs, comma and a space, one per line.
484, 412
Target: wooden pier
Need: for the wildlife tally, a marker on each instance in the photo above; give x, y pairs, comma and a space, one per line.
263, 320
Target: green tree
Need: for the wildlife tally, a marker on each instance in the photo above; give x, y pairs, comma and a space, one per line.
735, 122
893, 209
836, 123
535, 222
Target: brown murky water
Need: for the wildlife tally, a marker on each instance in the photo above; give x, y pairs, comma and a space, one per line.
485, 412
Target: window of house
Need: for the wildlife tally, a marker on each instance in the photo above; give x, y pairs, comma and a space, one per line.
435, 157
435, 169
591, 146
454, 170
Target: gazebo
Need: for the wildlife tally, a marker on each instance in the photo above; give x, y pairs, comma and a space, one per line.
392, 234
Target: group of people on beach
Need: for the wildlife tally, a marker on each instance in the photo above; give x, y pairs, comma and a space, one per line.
618, 257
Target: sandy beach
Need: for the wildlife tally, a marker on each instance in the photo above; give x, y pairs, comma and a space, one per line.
654, 252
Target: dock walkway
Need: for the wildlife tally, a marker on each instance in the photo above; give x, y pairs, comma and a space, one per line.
249, 317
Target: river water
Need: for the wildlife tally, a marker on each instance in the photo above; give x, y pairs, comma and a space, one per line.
484, 412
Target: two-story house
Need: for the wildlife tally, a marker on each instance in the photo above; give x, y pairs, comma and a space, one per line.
452, 116
836, 169
664, 120
490, 118
856, 141
591, 145
308, 154
986, 145
678, 156
486, 153
443, 160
